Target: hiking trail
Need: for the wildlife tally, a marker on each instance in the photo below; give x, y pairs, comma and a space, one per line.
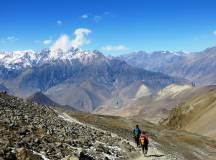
153, 153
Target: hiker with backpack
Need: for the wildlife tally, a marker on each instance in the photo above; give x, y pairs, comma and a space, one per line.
136, 133
144, 142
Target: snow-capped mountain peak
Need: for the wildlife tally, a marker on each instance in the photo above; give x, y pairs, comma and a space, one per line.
18, 59
29, 58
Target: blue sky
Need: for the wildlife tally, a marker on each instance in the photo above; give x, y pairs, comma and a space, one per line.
112, 26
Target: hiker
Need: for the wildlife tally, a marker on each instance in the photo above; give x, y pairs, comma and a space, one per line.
144, 142
136, 133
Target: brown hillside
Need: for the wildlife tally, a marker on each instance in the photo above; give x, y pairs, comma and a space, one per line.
197, 114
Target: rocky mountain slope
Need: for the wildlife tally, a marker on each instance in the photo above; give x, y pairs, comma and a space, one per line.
45, 133
82, 79
198, 67
165, 144
197, 114
28, 130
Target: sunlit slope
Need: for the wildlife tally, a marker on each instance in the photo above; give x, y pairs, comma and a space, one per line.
152, 107
172, 91
197, 115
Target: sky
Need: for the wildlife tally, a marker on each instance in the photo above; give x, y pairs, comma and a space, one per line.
111, 26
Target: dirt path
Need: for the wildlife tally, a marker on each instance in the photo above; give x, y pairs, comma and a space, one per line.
156, 154
153, 154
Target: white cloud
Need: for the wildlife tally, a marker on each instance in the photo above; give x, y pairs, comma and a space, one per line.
80, 37
214, 32
95, 17
114, 48
47, 41
12, 38
98, 18
84, 16
61, 43
8, 39
65, 43
59, 22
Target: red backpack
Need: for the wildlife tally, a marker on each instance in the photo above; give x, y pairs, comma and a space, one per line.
143, 139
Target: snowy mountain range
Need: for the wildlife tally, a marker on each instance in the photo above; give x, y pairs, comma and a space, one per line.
198, 67
28, 58
82, 79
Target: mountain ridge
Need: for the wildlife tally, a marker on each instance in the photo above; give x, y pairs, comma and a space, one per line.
194, 66
91, 77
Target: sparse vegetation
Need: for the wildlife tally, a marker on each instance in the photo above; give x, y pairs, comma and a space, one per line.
196, 115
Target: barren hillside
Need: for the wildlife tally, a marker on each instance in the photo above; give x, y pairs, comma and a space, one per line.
197, 114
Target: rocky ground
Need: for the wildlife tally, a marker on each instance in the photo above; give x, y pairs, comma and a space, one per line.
153, 153
29, 131
165, 143
32, 131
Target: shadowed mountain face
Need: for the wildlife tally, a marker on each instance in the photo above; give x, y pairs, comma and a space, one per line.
77, 78
3, 88
42, 99
198, 67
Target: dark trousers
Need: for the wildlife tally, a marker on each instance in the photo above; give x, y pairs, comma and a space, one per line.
145, 148
136, 138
